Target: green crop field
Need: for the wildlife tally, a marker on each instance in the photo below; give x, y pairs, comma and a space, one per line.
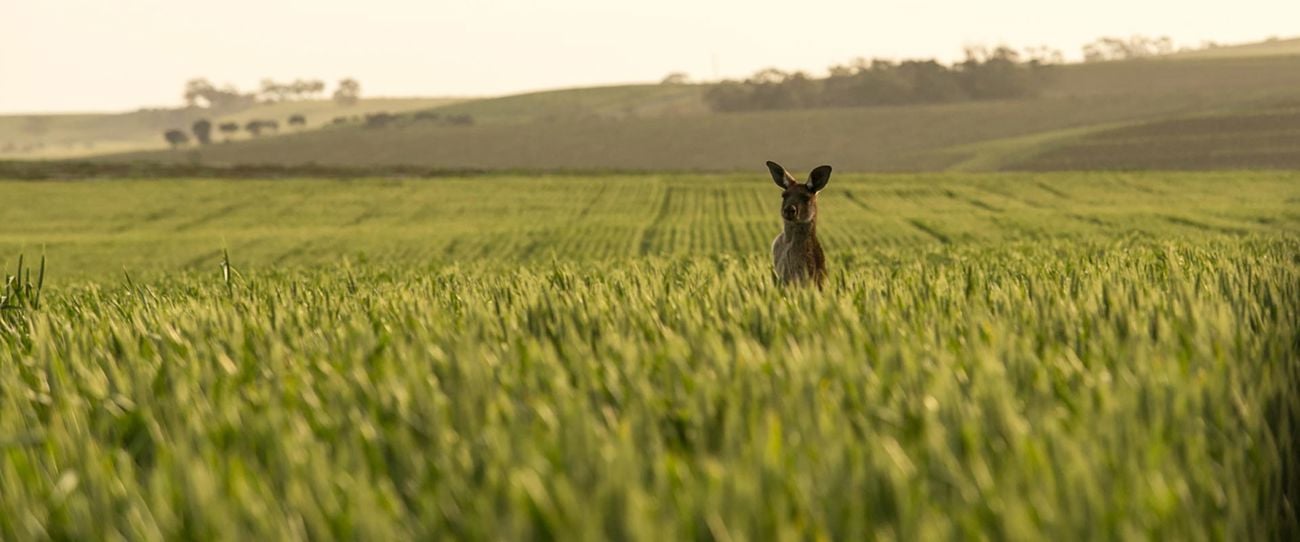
100, 229
1087, 356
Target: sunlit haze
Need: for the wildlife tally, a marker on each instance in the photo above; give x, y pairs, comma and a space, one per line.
89, 55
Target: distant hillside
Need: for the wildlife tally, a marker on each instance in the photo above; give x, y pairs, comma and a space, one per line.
524, 133
886, 138
321, 112
1272, 47
1247, 139
86, 134
667, 127
611, 102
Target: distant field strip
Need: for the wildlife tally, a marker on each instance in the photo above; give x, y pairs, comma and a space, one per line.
1255, 139
98, 228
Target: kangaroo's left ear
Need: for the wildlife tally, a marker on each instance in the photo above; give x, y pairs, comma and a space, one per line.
819, 177
779, 176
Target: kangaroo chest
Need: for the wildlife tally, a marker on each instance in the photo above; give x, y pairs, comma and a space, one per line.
796, 259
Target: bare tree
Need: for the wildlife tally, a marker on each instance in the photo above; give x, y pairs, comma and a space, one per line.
201, 93
271, 91
1114, 48
1043, 54
306, 88
315, 87
348, 92
196, 91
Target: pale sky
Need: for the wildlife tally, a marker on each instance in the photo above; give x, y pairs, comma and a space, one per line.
101, 55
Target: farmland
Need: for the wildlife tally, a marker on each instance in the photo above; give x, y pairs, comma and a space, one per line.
1270, 47
907, 138
1256, 138
668, 127
98, 229
87, 134
1076, 121
1111, 355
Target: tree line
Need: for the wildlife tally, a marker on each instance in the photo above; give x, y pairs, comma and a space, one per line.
1134, 47
202, 129
201, 92
984, 74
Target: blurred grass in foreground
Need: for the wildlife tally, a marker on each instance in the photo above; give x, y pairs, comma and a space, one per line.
1101, 390
1094, 356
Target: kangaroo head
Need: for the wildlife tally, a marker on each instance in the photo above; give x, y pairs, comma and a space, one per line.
799, 200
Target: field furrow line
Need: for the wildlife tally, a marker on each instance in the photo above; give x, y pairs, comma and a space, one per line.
929, 230
651, 233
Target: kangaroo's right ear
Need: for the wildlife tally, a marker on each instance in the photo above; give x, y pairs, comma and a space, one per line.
779, 175
819, 177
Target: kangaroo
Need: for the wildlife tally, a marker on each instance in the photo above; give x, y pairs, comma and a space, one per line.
797, 257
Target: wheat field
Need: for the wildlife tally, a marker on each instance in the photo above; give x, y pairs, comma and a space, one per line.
1089, 356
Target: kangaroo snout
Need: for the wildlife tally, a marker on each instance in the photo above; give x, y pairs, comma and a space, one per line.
789, 212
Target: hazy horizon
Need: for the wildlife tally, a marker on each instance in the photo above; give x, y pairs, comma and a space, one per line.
84, 56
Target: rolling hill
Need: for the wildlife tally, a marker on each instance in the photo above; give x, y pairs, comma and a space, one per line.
1249, 139
611, 102
669, 127
88, 134
1270, 47
875, 139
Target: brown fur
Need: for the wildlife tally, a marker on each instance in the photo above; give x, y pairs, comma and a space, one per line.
797, 256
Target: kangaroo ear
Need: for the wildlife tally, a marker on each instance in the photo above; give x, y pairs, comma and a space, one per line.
819, 177
782, 179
